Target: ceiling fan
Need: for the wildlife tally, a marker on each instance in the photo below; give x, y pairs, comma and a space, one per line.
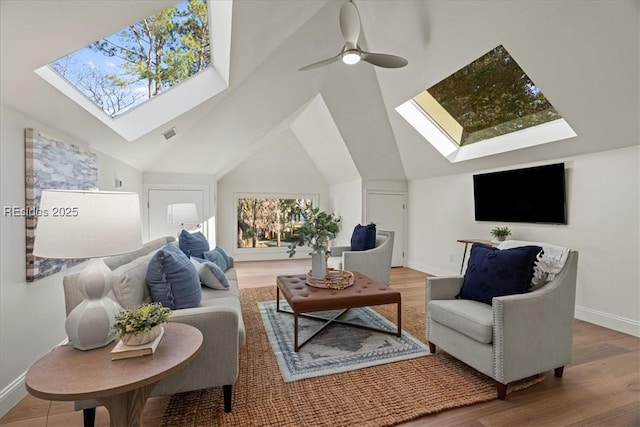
351, 52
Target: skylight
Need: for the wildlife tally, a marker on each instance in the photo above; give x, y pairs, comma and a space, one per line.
490, 106
168, 58
141, 61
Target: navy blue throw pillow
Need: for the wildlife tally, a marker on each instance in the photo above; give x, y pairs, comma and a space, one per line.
193, 244
363, 237
492, 272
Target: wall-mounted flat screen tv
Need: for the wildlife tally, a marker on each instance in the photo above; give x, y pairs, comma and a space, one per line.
531, 195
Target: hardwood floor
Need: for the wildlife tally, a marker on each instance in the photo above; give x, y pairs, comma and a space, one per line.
600, 388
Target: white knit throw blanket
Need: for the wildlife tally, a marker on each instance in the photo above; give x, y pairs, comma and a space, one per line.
549, 262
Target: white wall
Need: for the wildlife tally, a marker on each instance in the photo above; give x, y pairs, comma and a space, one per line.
32, 315
603, 193
346, 202
280, 167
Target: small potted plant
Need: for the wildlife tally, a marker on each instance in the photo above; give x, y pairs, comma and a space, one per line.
140, 325
319, 228
501, 233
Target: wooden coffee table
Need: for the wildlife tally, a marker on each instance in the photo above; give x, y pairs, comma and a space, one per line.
122, 386
304, 299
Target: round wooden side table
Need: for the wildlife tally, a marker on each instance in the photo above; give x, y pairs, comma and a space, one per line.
122, 386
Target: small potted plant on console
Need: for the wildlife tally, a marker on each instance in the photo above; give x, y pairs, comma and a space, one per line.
500, 234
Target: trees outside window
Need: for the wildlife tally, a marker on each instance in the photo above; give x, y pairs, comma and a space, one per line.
269, 222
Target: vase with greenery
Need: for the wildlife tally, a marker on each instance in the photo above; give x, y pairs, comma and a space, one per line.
140, 325
501, 233
319, 228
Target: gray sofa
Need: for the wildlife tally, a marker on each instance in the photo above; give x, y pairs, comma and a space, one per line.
219, 318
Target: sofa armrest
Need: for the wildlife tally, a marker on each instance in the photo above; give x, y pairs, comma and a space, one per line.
336, 251
445, 287
533, 332
217, 363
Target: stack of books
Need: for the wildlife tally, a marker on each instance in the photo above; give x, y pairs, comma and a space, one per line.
124, 351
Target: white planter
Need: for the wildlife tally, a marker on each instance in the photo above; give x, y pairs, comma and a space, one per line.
142, 337
318, 264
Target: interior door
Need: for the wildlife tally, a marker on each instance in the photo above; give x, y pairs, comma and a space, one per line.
159, 199
387, 211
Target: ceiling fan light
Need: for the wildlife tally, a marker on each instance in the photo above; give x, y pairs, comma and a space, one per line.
351, 57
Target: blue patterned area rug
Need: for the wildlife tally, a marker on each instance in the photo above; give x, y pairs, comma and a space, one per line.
338, 348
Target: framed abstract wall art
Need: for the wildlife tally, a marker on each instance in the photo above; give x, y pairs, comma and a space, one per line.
51, 164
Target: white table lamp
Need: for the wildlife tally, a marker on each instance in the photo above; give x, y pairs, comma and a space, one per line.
182, 213
89, 224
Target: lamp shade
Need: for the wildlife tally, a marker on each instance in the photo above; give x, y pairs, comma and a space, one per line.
182, 213
87, 224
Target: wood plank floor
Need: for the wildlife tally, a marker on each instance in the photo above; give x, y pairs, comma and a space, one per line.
600, 388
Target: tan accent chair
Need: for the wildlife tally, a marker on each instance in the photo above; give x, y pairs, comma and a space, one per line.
374, 263
515, 337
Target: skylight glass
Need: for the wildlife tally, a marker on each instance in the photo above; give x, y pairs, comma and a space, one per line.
490, 101
127, 68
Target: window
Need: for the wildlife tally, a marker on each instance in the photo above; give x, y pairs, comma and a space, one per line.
269, 222
488, 101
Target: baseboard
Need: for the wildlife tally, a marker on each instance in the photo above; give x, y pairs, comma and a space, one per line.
16, 391
607, 320
12, 394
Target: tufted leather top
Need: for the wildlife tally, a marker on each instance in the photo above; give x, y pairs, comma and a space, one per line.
364, 292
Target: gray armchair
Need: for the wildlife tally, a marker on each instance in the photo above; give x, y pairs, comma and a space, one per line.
374, 263
515, 337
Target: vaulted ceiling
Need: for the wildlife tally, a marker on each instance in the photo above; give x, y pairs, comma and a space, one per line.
583, 55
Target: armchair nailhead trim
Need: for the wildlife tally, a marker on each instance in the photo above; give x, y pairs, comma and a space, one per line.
498, 340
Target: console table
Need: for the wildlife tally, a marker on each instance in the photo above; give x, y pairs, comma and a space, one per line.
122, 386
466, 244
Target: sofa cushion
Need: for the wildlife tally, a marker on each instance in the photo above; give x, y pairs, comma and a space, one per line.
211, 275
492, 272
363, 237
173, 280
216, 258
129, 282
471, 318
193, 244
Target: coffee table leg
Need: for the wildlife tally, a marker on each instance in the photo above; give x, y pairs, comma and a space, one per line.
399, 319
295, 332
277, 299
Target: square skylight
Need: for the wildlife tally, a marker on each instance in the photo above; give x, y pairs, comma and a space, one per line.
489, 106
168, 58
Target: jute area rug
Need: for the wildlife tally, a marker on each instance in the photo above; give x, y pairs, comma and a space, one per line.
381, 395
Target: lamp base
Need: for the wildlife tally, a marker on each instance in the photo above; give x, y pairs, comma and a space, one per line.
90, 324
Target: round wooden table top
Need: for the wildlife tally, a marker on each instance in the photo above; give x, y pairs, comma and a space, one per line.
67, 373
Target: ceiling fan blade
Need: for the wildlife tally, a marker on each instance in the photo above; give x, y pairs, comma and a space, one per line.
350, 25
384, 60
321, 63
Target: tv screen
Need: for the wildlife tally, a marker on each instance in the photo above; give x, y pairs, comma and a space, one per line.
533, 195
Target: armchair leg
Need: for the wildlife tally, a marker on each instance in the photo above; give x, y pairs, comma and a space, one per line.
89, 417
226, 397
432, 347
502, 390
558, 371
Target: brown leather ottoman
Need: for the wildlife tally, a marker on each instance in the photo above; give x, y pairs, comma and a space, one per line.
304, 299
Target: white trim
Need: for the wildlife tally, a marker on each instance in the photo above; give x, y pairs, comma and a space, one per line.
607, 320
431, 270
544, 133
16, 390
12, 394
